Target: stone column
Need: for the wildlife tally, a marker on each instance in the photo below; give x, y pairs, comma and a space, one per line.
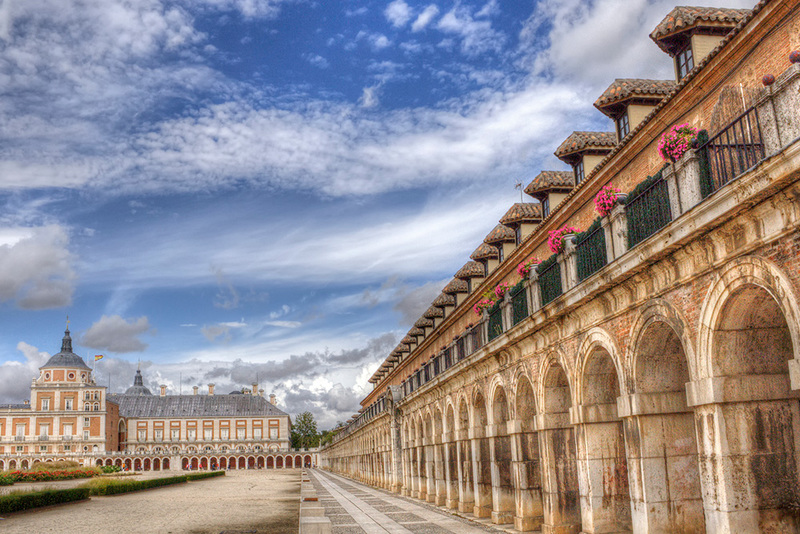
560, 487
527, 478
430, 470
466, 491
502, 484
619, 230
451, 470
481, 468
439, 471
569, 265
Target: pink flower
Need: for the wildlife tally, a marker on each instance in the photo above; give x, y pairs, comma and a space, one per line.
556, 240
676, 141
524, 269
501, 289
605, 200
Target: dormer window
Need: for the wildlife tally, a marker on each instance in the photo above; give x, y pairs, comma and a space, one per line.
500, 257
623, 126
545, 206
518, 235
578, 170
684, 61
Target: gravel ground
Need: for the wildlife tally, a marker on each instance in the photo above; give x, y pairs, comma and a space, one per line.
263, 502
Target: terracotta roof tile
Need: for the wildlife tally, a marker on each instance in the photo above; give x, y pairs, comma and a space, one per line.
581, 141
522, 212
432, 312
471, 269
402, 347
444, 300
416, 331
551, 180
499, 234
408, 340
423, 322
456, 285
625, 88
684, 17
485, 251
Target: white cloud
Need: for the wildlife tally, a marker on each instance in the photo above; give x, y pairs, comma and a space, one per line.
316, 60
369, 97
36, 267
15, 377
477, 36
425, 18
398, 13
115, 334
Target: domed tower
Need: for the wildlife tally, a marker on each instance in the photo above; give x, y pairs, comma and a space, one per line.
138, 387
66, 366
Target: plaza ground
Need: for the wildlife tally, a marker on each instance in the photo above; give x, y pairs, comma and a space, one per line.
247, 501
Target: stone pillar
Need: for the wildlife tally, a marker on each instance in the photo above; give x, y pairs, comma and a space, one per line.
673, 191
439, 471
481, 468
430, 470
527, 478
619, 230
560, 486
451, 470
534, 293
502, 484
395, 439
569, 264
605, 223
777, 111
466, 488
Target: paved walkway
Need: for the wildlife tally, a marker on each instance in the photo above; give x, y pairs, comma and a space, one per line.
354, 508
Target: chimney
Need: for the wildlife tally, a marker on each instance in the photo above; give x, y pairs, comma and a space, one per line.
26, 402
211, 389
254, 391
194, 390
260, 392
163, 390
272, 399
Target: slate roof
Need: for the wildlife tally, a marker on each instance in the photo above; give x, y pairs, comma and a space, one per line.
522, 212
471, 269
15, 406
485, 251
423, 322
66, 358
444, 300
499, 234
433, 311
549, 180
194, 406
682, 18
582, 141
456, 285
625, 88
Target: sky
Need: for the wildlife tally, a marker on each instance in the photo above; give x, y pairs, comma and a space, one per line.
232, 191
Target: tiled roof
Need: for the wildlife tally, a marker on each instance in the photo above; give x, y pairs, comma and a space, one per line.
684, 17
547, 180
522, 212
194, 405
408, 340
402, 347
485, 251
444, 300
423, 322
416, 331
625, 88
15, 406
433, 311
456, 285
499, 234
471, 269
580, 141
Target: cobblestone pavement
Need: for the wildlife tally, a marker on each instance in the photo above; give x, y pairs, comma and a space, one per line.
354, 508
241, 502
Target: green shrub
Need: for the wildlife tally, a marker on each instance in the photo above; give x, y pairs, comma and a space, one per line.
16, 502
115, 486
207, 474
111, 469
49, 476
59, 465
6, 480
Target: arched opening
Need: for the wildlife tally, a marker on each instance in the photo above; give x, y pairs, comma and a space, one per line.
466, 488
560, 491
751, 441
279, 462
157, 464
307, 461
185, 464
481, 459
108, 461
97, 463
500, 450
195, 464
165, 463
270, 462
204, 463
12, 464
601, 448
661, 439
242, 462
2, 465
232, 463
417, 483
122, 431
223, 463
251, 462
147, 464
118, 462
298, 461
260, 463
137, 464
24, 464
526, 469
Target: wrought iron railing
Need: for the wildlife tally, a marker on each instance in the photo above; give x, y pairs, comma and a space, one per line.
495, 321
519, 303
590, 251
549, 280
730, 152
647, 209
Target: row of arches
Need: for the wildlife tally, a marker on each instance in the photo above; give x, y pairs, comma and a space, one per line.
201, 462
685, 430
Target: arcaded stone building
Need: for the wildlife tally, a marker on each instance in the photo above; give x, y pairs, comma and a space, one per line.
645, 378
70, 416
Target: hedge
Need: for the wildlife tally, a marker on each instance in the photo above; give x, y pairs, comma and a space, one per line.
17, 502
207, 474
49, 476
115, 487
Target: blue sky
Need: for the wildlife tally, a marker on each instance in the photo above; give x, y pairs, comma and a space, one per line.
231, 189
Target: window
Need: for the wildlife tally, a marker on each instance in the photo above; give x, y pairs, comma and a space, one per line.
45, 405
142, 435
623, 126
176, 434
68, 429
86, 422
20, 430
684, 61
96, 395
67, 448
256, 433
224, 433
67, 404
42, 448
500, 255
20, 448
241, 433
208, 434
87, 396
96, 407
518, 235
192, 433
44, 430
86, 407
273, 433
578, 168
545, 206
85, 434
159, 434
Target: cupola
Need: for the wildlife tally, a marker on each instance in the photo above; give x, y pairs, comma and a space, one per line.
583, 151
628, 101
487, 255
424, 324
65, 366
504, 239
435, 314
455, 287
550, 188
689, 33
522, 218
445, 302
473, 273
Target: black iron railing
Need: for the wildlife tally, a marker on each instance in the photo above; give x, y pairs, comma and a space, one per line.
495, 321
590, 251
549, 280
647, 209
730, 152
519, 303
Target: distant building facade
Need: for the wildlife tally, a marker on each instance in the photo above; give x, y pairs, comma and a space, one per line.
70, 416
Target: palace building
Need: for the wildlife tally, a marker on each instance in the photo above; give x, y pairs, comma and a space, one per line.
644, 376
70, 416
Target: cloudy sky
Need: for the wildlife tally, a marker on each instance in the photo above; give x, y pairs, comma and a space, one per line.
274, 190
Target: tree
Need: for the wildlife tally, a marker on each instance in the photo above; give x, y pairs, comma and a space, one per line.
304, 431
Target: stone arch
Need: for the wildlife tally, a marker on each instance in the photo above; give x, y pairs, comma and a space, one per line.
242, 462
307, 460
278, 462
146, 464
97, 463
270, 462
157, 464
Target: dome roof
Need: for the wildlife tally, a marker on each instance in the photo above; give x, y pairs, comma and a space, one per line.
66, 358
138, 387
